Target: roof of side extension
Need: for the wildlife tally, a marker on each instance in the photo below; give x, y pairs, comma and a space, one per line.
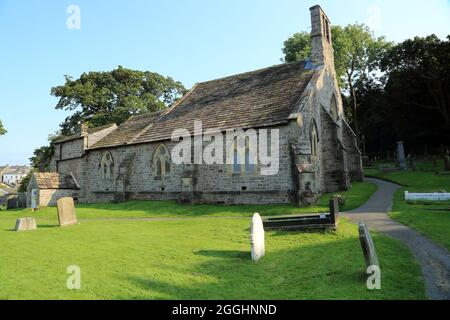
54, 180
254, 99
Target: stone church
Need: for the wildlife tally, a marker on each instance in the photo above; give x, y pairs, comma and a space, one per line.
317, 147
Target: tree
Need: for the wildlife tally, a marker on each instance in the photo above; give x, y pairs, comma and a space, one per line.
2, 129
425, 62
357, 56
100, 98
42, 156
297, 47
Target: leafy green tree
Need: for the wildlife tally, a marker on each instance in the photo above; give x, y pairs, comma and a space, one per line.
24, 183
99, 98
357, 56
297, 47
42, 156
425, 62
2, 129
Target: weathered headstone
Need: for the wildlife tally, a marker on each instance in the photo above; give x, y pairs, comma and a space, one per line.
12, 203
34, 199
25, 224
66, 211
257, 237
334, 210
401, 155
447, 161
368, 248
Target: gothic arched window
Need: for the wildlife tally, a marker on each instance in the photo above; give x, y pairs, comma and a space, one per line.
106, 166
333, 108
161, 161
243, 162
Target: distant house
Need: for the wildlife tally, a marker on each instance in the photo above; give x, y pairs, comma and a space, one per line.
13, 175
50, 187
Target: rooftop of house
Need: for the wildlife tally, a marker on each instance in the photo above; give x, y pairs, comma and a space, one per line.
15, 170
253, 99
54, 180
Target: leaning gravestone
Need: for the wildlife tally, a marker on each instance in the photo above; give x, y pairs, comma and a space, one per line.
25, 224
66, 212
370, 255
257, 237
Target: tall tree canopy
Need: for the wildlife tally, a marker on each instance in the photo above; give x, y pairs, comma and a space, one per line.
425, 62
357, 54
2, 129
99, 98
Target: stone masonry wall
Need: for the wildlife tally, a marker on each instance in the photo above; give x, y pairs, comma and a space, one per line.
212, 183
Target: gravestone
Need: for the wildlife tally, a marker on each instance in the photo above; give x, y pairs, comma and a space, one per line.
25, 224
66, 212
368, 248
34, 199
12, 203
334, 211
257, 237
447, 161
401, 155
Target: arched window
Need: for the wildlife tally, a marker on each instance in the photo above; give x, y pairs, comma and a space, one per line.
244, 162
161, 161
314, 139
333, 108
106, 166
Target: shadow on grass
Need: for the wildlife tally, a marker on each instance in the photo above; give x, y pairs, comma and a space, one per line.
334, 270
229, 254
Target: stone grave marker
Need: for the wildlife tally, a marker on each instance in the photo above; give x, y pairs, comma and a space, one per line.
12, 203
368, 248
66, 212
34, 199
401, 155
25, 224
257, 237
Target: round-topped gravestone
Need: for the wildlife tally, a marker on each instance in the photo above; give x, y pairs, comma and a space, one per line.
257, 237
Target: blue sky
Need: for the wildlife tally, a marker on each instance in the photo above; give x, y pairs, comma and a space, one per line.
189, 40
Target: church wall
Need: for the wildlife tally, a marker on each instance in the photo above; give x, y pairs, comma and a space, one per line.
212, 183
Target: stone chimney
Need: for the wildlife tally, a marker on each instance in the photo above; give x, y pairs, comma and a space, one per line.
84, 129
321, 43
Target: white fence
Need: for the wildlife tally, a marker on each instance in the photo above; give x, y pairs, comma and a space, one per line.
427, 196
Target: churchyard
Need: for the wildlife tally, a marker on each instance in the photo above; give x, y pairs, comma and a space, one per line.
431, 218
196, 252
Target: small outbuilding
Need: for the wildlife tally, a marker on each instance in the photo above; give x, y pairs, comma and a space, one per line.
51, 186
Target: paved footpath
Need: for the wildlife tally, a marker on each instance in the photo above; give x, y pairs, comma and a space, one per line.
433, 258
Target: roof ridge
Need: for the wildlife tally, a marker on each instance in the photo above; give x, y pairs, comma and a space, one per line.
253, 71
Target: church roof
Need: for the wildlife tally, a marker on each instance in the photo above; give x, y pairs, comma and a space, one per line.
55, 180
254, 99
79, 135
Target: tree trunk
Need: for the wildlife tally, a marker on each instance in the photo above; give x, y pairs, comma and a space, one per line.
354, 107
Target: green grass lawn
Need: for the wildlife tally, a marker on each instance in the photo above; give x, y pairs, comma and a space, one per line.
429, 218
199, 258
196, 259
358, 195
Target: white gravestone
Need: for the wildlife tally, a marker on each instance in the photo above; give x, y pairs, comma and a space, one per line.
427, 196
34, 199
257, 237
